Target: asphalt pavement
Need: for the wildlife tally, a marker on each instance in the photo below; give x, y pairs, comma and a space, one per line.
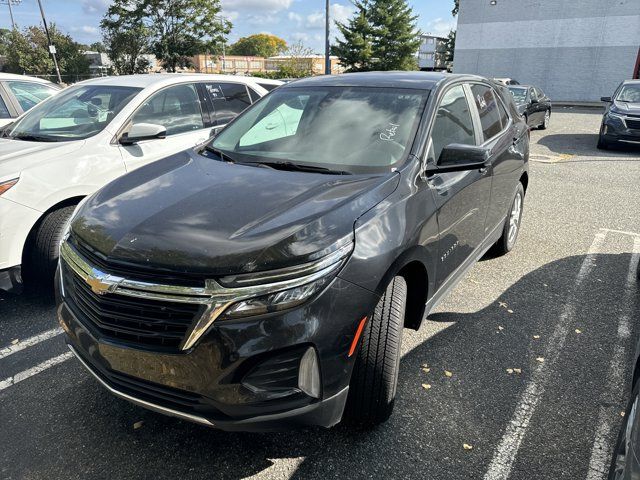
539, 344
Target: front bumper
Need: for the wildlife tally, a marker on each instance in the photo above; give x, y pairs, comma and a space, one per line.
617, 129
207, 383
16, 221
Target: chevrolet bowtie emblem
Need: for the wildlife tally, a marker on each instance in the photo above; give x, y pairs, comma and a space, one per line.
100, 283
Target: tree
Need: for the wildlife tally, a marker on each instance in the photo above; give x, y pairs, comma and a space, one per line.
259, 45
126, 38
450, 49
5, 39
297, 62
456, 7
396, 38
97, 47
183, 28
29, 53
354, 49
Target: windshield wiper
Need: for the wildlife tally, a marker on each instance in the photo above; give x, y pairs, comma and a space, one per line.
225, 157
33, 138
302, 168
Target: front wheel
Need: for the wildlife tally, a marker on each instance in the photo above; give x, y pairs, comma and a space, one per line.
511, 227
546, 121
372, 390
623, 454
603, 143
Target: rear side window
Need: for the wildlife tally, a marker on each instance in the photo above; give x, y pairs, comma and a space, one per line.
229, 99
453, 122
29, 94
504, 115
489, 111
4, 111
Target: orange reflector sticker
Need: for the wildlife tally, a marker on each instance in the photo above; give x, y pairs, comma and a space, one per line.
354, 343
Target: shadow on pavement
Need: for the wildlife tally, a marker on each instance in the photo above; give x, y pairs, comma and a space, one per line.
77, 430
584, 144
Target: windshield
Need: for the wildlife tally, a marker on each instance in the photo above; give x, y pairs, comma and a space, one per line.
73, 114
629, 93
519, 94
349, 129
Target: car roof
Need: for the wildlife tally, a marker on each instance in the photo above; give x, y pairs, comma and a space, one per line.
267, 81
632, 82
145, 80
415, 80
23, 78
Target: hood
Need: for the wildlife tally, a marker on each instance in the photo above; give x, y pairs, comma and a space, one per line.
188, 215
16, 155
626, 107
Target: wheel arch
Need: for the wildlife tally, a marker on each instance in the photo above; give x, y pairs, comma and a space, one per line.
524, 180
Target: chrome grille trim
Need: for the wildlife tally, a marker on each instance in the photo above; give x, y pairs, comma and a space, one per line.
215, 296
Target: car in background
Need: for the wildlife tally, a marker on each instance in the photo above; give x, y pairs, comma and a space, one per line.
19, 93
268, 84
621, 119
506, 81
73, 143
263, 280
533, 104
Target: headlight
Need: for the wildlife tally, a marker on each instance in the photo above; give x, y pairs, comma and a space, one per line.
67, 227
616, 115
4, 186
276, 301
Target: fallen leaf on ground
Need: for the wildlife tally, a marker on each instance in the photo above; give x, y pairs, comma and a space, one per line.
578, 331
466, 446
536, 337
426, 386
137, 425
448, 373
622, 414
509, 371
424, 365
517, 370
540, 359
545, 284
510, 311
14, 341
500, 327
502, 304
426, 370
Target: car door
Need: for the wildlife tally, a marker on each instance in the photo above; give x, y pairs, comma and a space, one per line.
462, 198
179, 109
504, 141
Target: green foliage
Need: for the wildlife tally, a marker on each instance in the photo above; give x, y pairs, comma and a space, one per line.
456, 7
396, 36
297, 62
355, 50
173, 30
29, 53
382, 35
269, 75
97, 47
5, 38
451, 47
126, 38
259, 45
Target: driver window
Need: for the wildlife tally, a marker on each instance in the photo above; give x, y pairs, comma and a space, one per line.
176, 108
453, 123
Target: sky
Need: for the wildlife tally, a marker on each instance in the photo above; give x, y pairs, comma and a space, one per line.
293, 20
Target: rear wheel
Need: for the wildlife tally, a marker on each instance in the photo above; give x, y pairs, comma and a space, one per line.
511, 227
375, 376
43, 247
546, 121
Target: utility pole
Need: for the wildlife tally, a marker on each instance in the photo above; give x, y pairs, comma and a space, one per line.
11, 2
52, 47
327, 44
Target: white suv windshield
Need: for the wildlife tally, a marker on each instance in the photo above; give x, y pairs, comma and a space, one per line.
352, 129
74, 114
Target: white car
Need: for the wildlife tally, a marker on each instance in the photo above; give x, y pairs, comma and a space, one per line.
19, 93
75, 142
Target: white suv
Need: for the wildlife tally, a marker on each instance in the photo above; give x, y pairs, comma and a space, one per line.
19, 93
75, 142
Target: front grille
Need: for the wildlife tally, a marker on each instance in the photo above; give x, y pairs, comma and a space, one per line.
633, 124
136, 321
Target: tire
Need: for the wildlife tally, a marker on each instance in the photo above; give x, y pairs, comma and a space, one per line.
621, 450
526, 119
508, 239
43, 248
603, 144
374, 380
547, 119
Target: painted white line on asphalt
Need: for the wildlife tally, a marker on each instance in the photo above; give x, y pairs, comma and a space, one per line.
624, 232
602, 443
18, 377
29, 342
505, 454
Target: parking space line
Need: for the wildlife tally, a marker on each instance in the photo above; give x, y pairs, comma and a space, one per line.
623, 232
29, 342
505, 454
602, 444
41, 367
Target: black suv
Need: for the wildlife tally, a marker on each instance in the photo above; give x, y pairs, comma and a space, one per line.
621, 119
263, 281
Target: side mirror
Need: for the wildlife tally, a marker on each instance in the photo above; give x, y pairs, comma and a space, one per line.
143, 131
534, 100
459, 158
605, 99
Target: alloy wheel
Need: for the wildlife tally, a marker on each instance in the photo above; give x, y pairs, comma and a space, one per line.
547, 118
514, 218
